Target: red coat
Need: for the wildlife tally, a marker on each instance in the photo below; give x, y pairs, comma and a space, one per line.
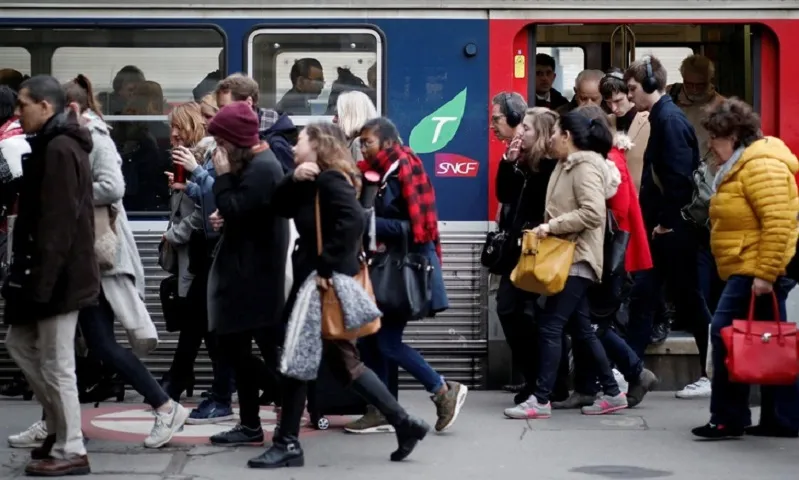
627, 211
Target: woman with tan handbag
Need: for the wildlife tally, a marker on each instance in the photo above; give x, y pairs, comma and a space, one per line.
575, 211
325, 168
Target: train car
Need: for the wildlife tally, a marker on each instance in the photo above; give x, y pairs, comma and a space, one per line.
436, 64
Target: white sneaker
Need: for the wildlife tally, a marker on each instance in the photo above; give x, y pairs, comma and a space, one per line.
33, 437
166, 425
623, 385
698, 389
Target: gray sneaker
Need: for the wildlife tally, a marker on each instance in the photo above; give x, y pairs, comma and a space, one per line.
372, 422
166, 425
576, 400
606, 404
645, 383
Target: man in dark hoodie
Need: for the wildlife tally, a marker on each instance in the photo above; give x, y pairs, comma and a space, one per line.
54, 272
277, 129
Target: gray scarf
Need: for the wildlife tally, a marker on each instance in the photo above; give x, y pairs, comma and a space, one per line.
725, 167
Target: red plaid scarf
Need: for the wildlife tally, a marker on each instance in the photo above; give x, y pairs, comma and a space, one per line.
416, 189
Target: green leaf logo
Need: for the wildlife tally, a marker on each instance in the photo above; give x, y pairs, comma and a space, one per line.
436, 130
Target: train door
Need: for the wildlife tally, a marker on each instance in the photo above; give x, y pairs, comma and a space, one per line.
742, 54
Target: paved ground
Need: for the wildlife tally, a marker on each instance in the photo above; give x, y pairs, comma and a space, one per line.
652, 441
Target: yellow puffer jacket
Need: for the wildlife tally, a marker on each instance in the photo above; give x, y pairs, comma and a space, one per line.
753, 214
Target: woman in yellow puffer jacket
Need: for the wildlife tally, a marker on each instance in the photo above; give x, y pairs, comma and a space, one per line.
753, 216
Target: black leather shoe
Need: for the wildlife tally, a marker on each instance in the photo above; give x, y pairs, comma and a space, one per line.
279, 455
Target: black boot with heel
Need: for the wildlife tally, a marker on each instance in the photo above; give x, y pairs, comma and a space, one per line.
409, 429
286, 450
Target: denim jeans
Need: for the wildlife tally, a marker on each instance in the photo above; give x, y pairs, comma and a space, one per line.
569, 307
729, 401
387, 345
97, 327
619, 353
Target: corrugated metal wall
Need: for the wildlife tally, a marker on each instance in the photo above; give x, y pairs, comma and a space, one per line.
454, 342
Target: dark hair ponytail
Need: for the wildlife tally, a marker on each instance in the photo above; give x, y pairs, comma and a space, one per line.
80, 91
588, 134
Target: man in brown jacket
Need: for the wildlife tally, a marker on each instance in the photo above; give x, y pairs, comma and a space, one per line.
53, 271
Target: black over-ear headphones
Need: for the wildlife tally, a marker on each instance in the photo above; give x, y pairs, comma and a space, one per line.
511, 117
650, 83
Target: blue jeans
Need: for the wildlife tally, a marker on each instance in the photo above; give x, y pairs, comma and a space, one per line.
568, 307
387, 345
97, 327
729, 402
619, 353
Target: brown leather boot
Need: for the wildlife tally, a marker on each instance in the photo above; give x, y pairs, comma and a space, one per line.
57, 467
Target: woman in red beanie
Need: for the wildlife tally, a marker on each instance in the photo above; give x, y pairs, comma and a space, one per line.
246, 281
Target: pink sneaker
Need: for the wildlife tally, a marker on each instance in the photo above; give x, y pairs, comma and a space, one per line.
529, 410
606, 404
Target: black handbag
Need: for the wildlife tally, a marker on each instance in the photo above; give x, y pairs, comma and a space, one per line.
402, 281
606, 297
501, 250
171, 303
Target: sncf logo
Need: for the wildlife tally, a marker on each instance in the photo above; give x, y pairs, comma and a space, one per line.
453, 165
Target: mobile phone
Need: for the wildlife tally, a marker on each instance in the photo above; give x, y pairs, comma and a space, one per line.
180, 174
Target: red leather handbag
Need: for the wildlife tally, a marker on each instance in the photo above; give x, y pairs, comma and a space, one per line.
761, 352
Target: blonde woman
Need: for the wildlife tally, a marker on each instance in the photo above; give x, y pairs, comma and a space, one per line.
522, 185
354, 110
324, 167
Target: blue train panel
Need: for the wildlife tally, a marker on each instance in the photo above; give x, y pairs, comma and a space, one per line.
435, 89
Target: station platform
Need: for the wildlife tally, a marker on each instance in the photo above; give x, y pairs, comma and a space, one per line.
651, 441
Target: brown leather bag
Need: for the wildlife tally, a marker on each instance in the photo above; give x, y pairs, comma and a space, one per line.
333, 327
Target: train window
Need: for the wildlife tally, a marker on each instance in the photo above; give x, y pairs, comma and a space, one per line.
302, 71
13, 62
670, 57
138, 74
569, 62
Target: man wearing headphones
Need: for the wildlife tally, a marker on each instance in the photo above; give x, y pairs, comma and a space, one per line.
671, 156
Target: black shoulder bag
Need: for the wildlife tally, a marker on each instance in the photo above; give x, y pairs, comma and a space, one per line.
606, 297
402, 281
501, 250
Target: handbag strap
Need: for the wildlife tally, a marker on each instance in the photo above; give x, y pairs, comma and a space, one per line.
318, 218
318, 225
521, 196
776, 315
173, 212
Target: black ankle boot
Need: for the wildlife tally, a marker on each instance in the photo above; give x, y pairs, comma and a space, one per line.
286, 450
410, 430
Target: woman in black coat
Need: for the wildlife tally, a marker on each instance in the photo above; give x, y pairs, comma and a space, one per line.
246, 282
325, 168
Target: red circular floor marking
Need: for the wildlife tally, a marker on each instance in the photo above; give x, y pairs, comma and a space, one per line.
132, 423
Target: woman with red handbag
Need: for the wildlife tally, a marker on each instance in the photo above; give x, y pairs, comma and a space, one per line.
753, 215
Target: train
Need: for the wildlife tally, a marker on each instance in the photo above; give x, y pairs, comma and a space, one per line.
437, 66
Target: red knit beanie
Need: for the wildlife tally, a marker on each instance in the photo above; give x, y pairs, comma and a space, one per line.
236, 123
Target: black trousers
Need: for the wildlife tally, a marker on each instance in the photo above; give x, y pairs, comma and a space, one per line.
235, 349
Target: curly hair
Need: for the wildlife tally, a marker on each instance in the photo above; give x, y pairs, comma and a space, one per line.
332, 150
733, 118
188, 120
